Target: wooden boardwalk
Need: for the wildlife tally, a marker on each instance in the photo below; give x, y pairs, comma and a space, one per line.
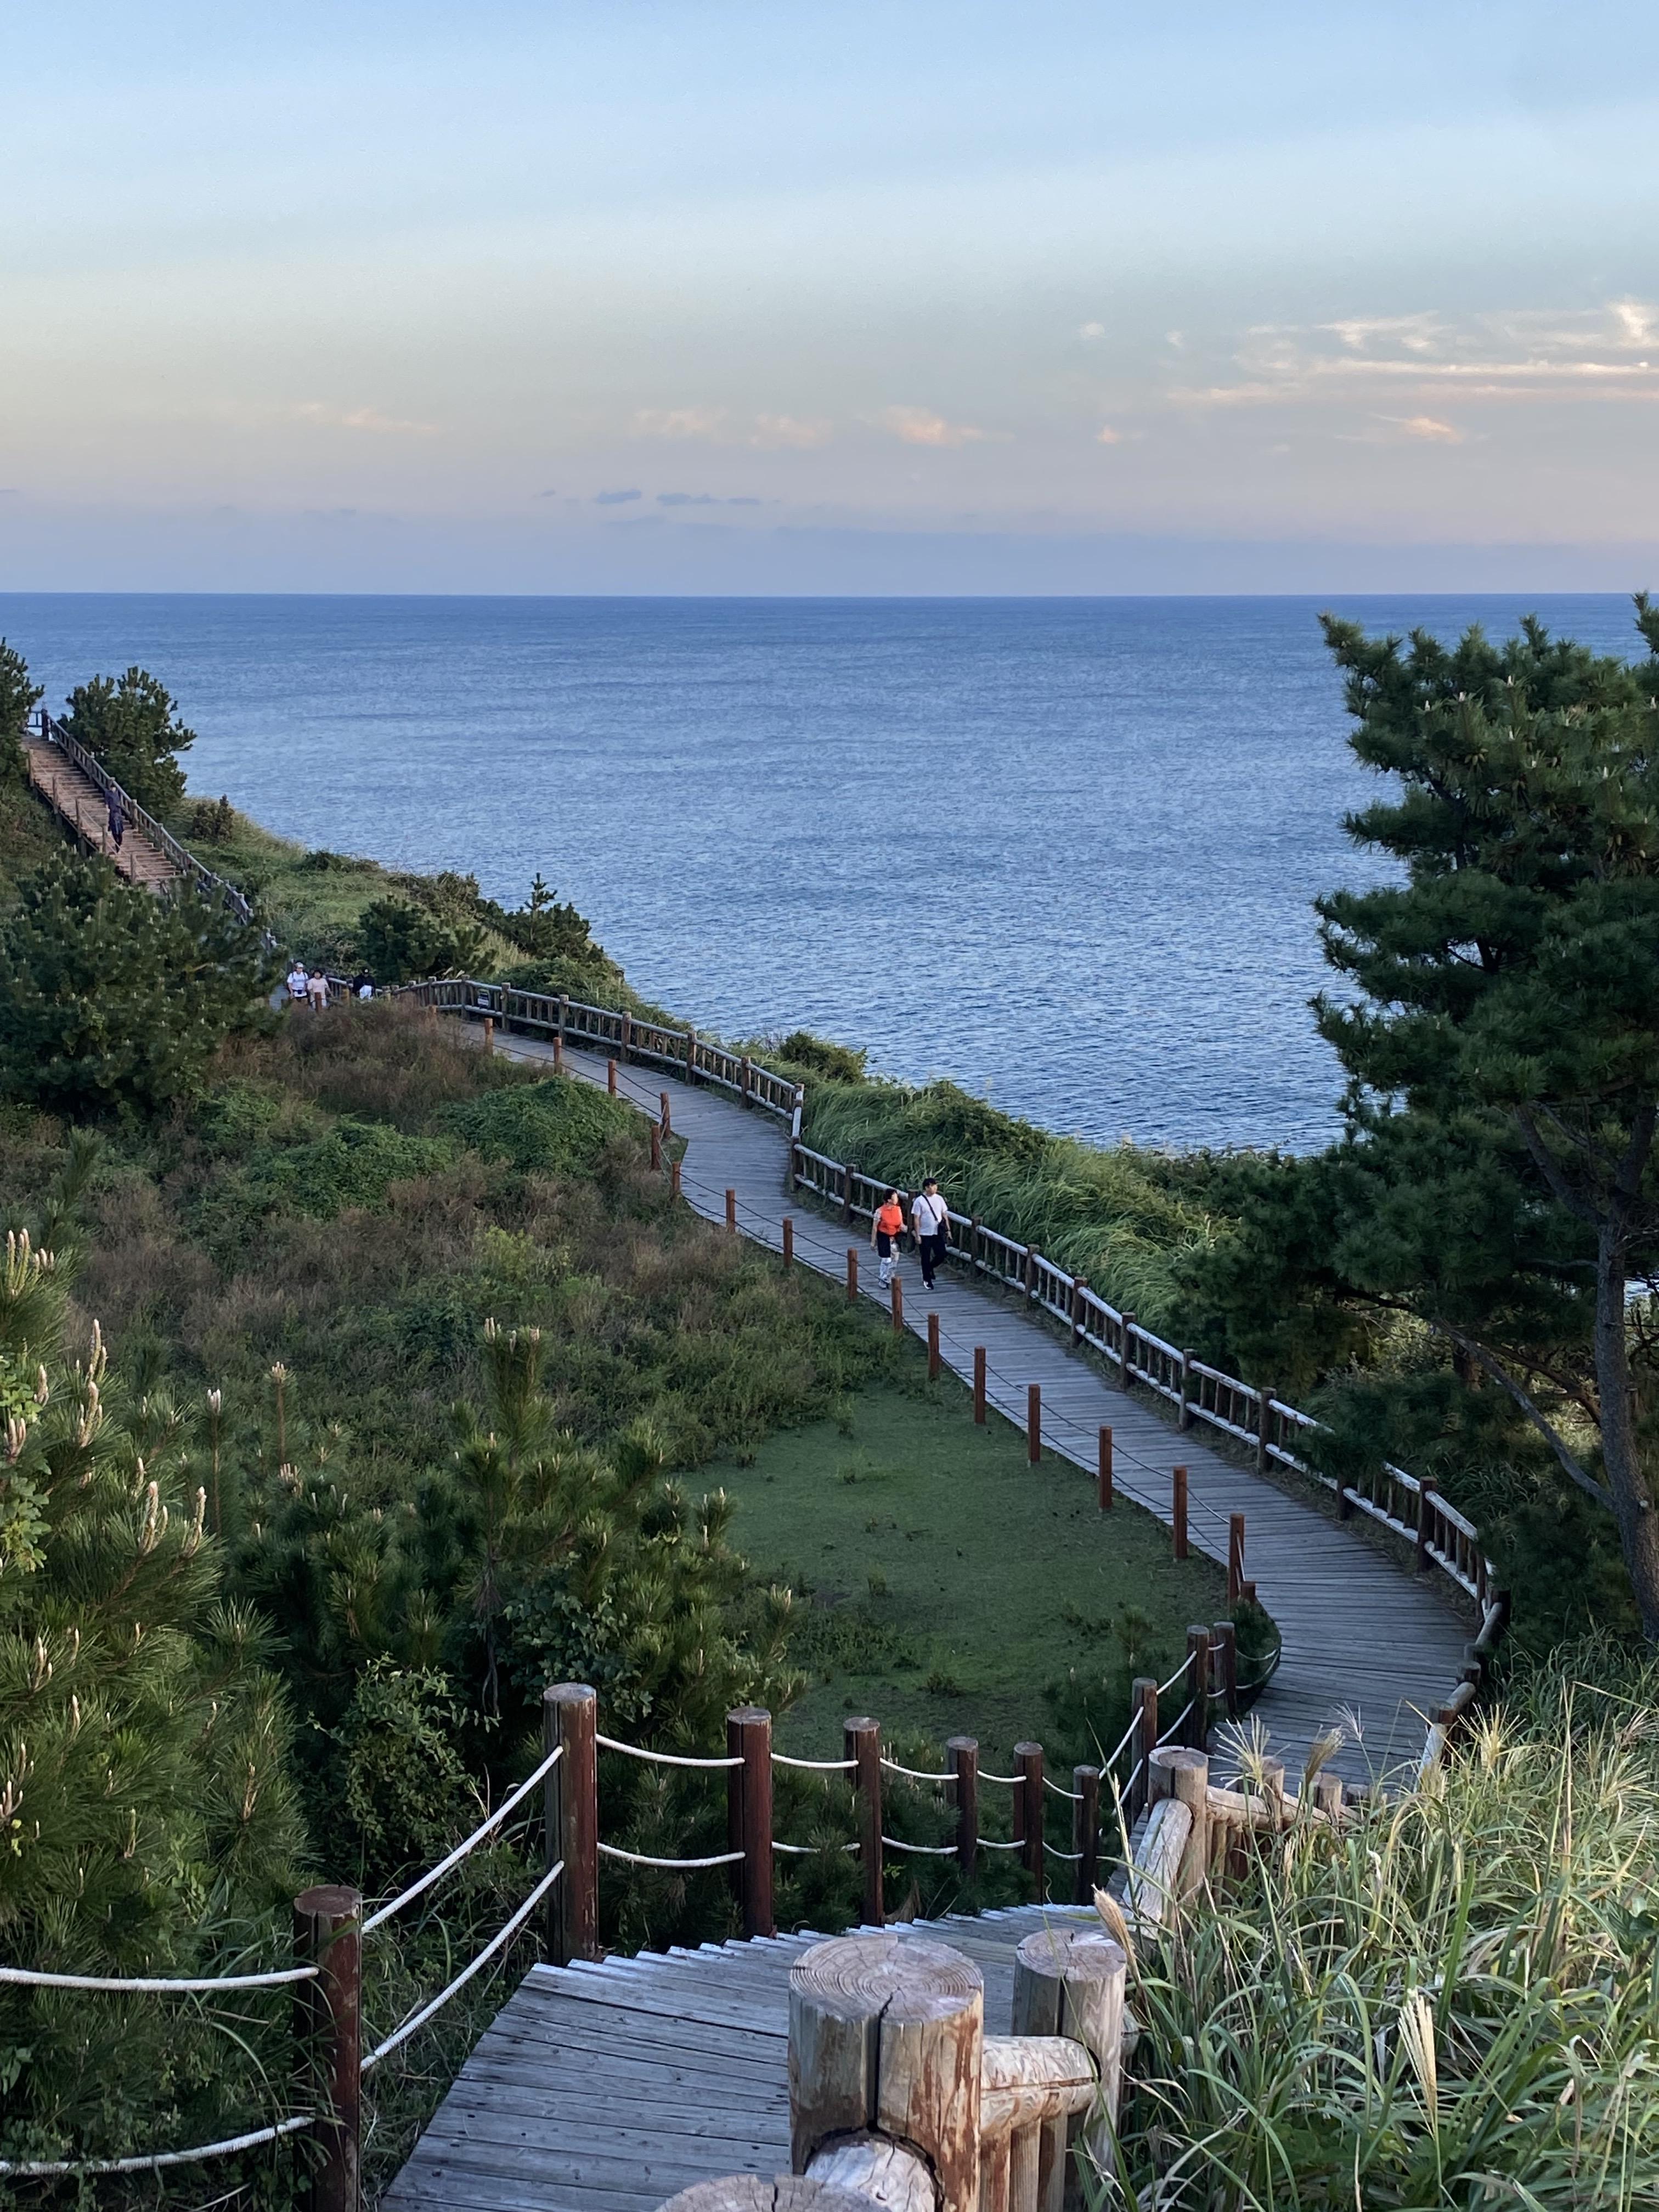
610, 2088
1361, 1634
82, 804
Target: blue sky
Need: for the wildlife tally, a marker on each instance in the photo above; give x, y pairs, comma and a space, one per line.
652, 295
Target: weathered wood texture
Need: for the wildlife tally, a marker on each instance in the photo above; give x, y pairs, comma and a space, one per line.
609, 2087
1357, 1630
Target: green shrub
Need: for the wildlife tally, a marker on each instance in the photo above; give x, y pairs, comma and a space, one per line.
403, 1787
18, 699
352, 1166
402, 943
130, 724
213, 821
555, 1126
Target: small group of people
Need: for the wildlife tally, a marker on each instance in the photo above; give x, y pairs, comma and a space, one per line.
930, 1225
308, 988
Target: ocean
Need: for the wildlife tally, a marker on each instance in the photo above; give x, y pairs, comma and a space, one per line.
1063, 851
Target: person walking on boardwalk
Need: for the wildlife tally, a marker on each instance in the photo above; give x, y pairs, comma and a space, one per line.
930, 1218
117, 820
318, 989
297, 983
885, 1233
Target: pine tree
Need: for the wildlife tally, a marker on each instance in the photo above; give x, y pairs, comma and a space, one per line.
18, 699
130, 724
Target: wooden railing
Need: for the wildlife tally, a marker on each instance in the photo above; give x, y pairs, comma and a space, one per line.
189, 868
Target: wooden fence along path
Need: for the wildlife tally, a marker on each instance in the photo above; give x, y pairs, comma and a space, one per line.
1361, 1634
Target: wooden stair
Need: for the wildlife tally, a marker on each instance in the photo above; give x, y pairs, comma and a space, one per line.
611, 2087
82, 804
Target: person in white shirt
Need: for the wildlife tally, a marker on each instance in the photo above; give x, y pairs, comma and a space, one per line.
930, 1218
297, 980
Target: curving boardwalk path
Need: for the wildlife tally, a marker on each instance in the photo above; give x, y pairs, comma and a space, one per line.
1360, 1632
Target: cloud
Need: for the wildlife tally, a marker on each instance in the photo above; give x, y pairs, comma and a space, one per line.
1092, 330
679, 422
920, 426
1426, 426
1108, 436
1638, 322
615, 498
795, 431
550, 493
704, 499
361, 418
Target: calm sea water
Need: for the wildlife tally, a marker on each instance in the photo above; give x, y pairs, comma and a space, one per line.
1061, 850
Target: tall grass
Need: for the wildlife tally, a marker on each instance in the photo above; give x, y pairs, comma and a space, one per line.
1123, 1218
1453, 2003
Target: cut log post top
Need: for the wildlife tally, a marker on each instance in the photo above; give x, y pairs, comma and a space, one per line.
1070, 1982
754, 2192
886, 2042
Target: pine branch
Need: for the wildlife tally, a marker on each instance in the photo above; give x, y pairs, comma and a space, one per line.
1540, 1421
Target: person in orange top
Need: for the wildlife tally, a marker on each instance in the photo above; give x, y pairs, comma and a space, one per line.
884, 1232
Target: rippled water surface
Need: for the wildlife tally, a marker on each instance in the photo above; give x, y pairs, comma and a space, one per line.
1062, 850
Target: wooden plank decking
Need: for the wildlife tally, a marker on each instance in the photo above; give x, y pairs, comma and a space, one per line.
82, 804
610, 2088
1361, 1632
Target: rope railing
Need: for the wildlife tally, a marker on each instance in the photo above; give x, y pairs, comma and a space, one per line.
670, 1865
155, 1985
664, 1758
496, 1943
485, 1827
155, 2161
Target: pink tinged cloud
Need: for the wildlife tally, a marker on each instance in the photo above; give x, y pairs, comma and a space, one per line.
920, 426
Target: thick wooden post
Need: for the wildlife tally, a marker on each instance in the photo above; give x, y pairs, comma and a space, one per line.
558, 1051
1184, 1775
1235, 1556
749, 1737
674, 1178
574, 1782
490, 1033
745, 1079
1425, 1519
1186, 1419
886, 2060
731, 1211
848, 1175
979, 1384
690, 1056
1071, 1981
1143, 1696
610, 1077
1085, 1831
1105, 1470
1079, 1289
963, 1751
933, 1348
1264, 1428
852, 1274
666, 1105
789, 1240
862, 1743
627, 1036
1198, 1650
656, 1149
1028, 1812
897, 1289
1034, 1422
328, 2033
1223, 1642
558, 1035
1178, 1509
1126, 1357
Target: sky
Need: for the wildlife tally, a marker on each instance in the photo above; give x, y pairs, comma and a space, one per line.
713, 295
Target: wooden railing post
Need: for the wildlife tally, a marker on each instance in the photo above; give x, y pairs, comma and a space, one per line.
690, 1056
973, 1244
1184, 1775
963, 1751
852, 1274
789, 1240
731, 1211
674, 1178
1223, 1641
1071, 1981
328, 2033
1186, 1419
1265, 1429
897, 1289
1085, 1831
627, 1040
1198, 1677
1425, 1521
849, 1175
933, 1361
1034, 1422
1028, 1812
1178, 1509
1235, 1556
749, 1737
656, 1150
745, 1079
488, 1034
610, 1077
862, 1743
1143, 1696
1105, 1470
1079, 1289
570, 1715
667, 1115
979, 1384
1126, 1358
1031, 1274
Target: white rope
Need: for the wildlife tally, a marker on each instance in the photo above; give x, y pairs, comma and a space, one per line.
815, 1766
1125, 1740
504, 1935
662, 1758
152, 1985
986, 1844
922, 1850
914, 1774
809, 1850
1072, 1796
1177, 1675
437, 1872
1055, 1852
1009, 1781
1183, 1715
39, 2168
690, 1866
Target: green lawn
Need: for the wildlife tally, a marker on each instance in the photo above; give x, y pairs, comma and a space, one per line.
947, 1587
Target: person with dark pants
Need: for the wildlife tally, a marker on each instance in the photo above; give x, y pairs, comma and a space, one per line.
930, 1218
118, 822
